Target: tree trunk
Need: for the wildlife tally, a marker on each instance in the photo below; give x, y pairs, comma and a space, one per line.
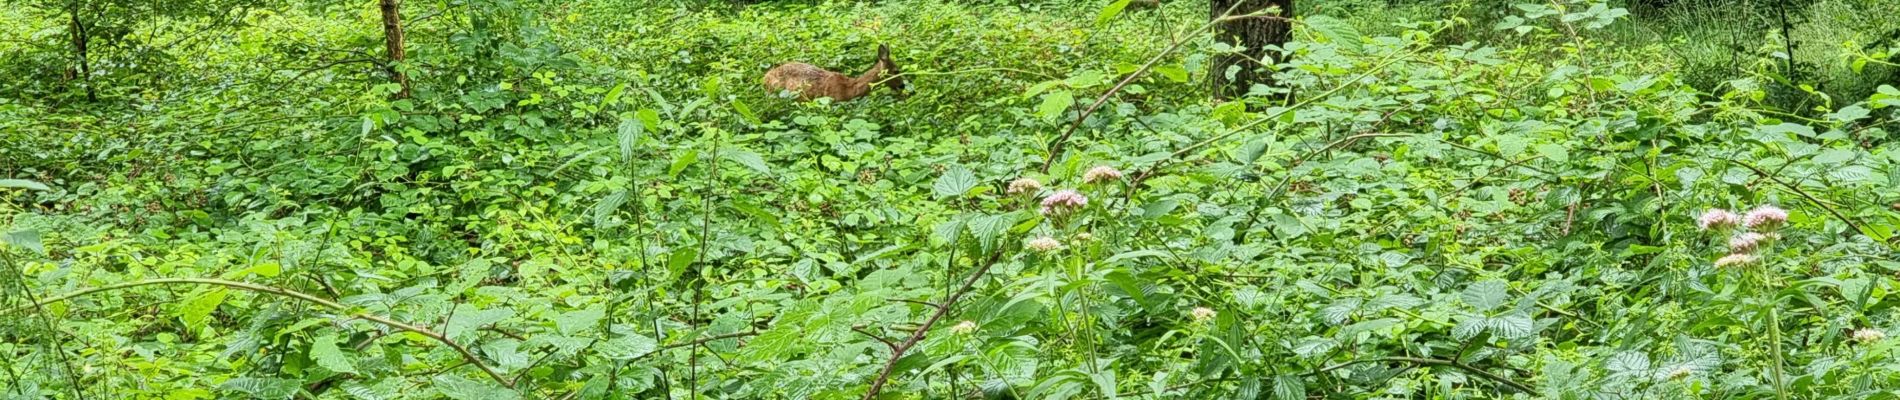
1253, 35
80, 39
392, 40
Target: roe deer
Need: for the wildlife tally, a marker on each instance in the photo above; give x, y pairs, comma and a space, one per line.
810, 82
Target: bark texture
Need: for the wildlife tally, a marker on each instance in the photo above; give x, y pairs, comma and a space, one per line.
1254, 35
393, 42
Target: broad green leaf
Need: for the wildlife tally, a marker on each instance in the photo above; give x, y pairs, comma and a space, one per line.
459, 388
628, 135
1109, 12
1336, 31
324, 351
990, 229
1511, 326
613, 95
1289, 387
605, 209
1054, 104
1487, 294
27, 239
199, 308
649, 118
681, 161
467, 319
747, 158
955, 182
1554, 152
627, 347
22, 184
574, 322
745, 112
263, 388
682, 257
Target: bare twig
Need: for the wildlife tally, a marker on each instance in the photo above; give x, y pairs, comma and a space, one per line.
880, 339
1055, 148
897, 352
1804, 194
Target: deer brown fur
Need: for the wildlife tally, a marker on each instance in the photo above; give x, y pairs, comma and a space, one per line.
809, 82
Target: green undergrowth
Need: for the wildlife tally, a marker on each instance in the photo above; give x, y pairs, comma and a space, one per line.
598, 200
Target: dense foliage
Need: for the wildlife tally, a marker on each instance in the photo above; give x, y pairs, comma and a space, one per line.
597, 200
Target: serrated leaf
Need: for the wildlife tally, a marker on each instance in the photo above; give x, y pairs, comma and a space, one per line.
367, 392
459, 388
680, 259
1173, 72
749, 159
469, 318
1852, 174
1470, 327
1511, 326
1487, 295
323, 350
573, 322
628, 134
1336, 31
22, 184
949, 231
627, 347
1340, 310
955, 182
263, 388
1554, 152
604, 210
745, 112
1628, 363
1289, 387
1511, 145
990, 228
1314, 346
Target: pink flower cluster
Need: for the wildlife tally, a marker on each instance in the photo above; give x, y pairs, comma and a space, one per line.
1063, 202
1744, 247
1766, 218
1101, 173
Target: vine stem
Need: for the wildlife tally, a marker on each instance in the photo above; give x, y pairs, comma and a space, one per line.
326, 303
884, 375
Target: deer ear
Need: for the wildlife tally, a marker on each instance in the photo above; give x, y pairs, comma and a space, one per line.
883, 51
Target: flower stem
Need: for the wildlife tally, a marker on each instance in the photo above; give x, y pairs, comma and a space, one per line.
1774, 334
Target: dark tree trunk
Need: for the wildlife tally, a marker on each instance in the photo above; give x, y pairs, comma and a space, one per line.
1254, 35
392, 40
80, 39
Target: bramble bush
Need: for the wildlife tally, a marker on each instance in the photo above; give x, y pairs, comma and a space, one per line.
596, 200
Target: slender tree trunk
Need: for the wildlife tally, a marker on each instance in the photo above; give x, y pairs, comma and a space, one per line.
1254, 35
393, 40
80, 40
